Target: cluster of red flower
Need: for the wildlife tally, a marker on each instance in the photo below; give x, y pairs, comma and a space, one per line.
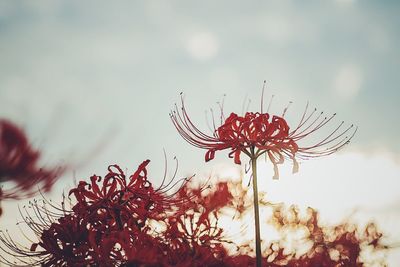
116, 221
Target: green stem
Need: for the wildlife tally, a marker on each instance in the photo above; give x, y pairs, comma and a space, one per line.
256, 210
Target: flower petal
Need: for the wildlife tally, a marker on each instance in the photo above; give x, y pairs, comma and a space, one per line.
210, 154
237, 157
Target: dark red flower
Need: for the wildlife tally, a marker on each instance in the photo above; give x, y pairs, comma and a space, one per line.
108, 222
257, 133
19, 164
121, 199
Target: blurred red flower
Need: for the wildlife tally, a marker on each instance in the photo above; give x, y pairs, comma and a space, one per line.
19, 164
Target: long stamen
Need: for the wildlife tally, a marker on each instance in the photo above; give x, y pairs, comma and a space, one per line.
262, 96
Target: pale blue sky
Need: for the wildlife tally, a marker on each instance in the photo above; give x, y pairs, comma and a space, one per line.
94, 82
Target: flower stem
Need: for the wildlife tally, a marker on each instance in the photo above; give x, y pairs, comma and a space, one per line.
256, 211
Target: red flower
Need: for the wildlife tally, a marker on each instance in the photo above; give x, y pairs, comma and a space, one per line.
256, 133
65, 242
122, 199
19, 164
108, 224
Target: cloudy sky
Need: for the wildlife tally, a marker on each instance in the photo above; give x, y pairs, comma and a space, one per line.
93, 84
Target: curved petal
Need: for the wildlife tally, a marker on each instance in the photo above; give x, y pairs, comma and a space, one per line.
210, 154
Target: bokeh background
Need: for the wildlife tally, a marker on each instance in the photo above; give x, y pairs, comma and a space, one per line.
93, 83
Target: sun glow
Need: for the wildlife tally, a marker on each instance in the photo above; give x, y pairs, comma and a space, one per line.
344, 186
337, 184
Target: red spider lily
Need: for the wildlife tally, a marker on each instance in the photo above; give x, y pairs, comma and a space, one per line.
258, 133
19, 164
108, 221
120, 198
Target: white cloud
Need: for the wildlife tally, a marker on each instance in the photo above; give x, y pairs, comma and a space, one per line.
202, 45
348, 80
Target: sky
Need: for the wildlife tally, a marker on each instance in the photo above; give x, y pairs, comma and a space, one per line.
93, 84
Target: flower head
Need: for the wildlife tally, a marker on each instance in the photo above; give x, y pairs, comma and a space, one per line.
124, 201
258, 133
19, 164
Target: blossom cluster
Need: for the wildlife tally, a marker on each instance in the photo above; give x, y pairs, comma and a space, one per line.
124, 221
